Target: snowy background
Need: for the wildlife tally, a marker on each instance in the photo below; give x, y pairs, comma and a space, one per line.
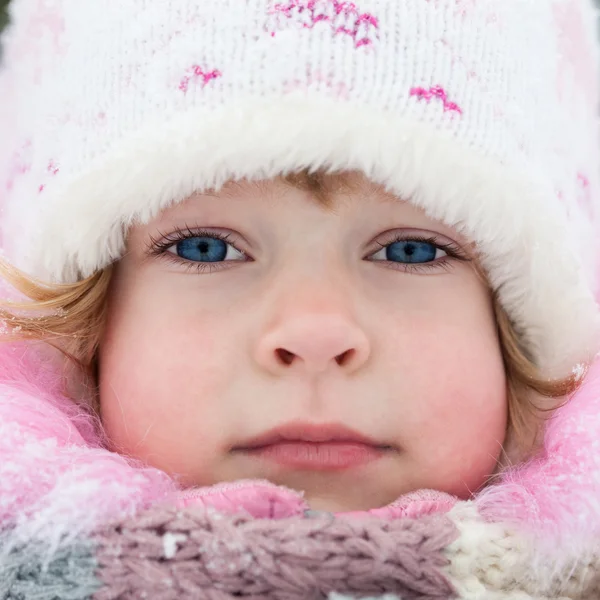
3, 4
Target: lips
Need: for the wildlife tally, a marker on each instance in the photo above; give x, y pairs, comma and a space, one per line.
308, 446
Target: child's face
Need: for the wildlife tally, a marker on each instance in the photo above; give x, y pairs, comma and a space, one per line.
304, 314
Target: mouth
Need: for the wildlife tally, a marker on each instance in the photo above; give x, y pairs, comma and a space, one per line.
306, 446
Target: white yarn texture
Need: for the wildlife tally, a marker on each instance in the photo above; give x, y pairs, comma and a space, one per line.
481, 112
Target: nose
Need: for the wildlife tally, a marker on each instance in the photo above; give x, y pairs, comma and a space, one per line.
313, 342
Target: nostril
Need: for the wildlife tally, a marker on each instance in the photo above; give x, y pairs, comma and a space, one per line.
285, 356
345, 357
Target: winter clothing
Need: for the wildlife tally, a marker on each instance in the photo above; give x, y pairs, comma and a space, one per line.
112, 110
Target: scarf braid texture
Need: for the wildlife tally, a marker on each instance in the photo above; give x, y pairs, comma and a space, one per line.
80, 522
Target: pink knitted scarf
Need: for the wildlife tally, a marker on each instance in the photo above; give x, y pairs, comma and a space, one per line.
198, 553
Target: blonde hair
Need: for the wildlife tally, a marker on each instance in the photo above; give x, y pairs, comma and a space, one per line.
71, 317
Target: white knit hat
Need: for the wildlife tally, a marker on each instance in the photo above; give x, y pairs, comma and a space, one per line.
483, 112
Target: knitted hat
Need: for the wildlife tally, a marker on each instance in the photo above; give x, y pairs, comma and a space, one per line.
481, 112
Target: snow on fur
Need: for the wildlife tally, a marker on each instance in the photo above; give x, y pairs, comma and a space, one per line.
56, 479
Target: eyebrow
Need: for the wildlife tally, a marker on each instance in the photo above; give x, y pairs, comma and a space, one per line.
322, 186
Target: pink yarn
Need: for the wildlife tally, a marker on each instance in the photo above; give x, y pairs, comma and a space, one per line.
194, 73
173, 554
439, 93
53, 168
343, 17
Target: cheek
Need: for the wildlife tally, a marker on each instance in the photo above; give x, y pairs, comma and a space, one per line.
468, 425
453, 385
160, 370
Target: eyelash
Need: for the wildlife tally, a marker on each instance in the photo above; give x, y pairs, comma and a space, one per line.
160, 245
452, 250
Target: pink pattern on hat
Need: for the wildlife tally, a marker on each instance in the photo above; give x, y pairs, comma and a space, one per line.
195, 72
53, 169
436, 92
343, 17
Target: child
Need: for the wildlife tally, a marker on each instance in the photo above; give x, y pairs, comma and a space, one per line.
307, 300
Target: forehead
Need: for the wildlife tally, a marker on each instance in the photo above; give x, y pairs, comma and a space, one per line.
329, 191
326, 189
351, 190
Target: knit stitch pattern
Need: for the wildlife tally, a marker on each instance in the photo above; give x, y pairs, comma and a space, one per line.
168, 553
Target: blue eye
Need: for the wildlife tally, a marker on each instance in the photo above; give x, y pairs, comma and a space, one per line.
410, 252
202, 249
205, 249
